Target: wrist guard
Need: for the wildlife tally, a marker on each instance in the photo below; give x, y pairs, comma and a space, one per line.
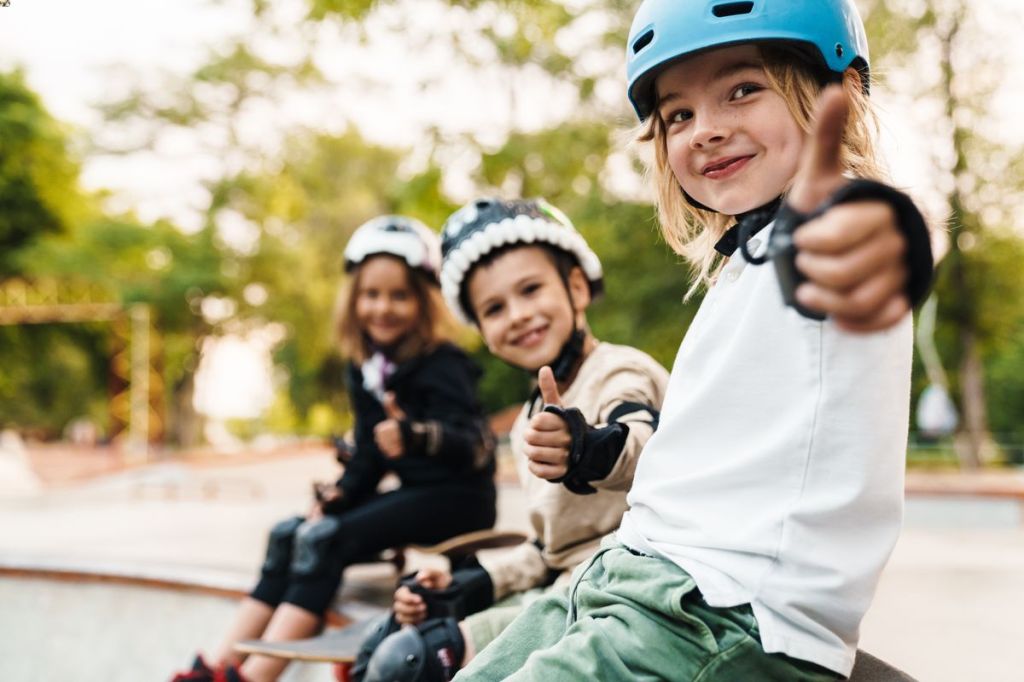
343, 450
421, 437
782, 251
471, 591
592, 452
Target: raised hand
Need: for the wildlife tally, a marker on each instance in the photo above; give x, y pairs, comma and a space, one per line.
388, 433
326, 497
854, 254
547, 437
409, 607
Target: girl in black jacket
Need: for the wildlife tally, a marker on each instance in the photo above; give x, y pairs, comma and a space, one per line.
413, 395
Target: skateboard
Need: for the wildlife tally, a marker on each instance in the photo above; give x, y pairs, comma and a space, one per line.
467, 544
336, 645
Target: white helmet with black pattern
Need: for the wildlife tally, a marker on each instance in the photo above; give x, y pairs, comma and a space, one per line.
487, 224
395, 235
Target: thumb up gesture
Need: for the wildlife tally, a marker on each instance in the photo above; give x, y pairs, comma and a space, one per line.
388, 433
853, 255
547, 437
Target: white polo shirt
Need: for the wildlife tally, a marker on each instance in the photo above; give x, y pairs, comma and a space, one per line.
776, 475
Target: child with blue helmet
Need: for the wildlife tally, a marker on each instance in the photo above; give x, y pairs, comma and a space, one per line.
766, 504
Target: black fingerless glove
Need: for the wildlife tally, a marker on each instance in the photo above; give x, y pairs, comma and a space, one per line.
343, 450
782, 251
592, 452
471, 591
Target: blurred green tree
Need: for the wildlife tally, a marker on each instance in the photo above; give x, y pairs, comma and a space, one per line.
39, 192
982, 177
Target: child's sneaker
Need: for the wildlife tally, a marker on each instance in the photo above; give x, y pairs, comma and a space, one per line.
200, 672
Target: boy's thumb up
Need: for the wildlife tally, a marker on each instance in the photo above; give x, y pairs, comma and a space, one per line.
820, 172
391, 408
548, 387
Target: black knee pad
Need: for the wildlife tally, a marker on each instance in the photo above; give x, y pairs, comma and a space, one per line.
385, 626
279, 545
430, 652
313, 541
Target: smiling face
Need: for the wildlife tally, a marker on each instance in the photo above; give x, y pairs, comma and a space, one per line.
731, 141
386, 306
522, 308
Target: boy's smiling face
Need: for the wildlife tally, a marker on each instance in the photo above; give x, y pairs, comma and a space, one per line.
522, 307
732, 142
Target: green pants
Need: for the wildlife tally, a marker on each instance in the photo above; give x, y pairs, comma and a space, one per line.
484, 627
631, 617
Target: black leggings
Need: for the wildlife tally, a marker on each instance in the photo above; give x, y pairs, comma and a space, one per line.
421, 515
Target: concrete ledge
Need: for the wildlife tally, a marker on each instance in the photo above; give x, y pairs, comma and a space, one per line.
356, 602
979, 484
201, 581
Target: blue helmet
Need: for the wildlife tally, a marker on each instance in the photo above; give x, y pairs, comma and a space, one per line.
830, 32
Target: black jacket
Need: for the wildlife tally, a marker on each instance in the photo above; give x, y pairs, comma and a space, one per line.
446, 436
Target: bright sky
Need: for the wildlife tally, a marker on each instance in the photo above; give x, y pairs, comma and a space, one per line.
74, 51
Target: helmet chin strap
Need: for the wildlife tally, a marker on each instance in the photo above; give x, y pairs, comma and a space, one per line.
693, 202
569, 357
771, 207
571, 354
565, 363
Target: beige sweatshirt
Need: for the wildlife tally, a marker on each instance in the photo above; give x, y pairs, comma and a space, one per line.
568, 527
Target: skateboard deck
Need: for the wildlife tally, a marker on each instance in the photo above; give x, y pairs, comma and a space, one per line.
470, 543
336, 645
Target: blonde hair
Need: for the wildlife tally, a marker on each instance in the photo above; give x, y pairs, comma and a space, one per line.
434, 326
693, 232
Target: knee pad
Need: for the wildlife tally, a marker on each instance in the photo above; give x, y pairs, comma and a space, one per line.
385, 626
313, 541
279, 545
430, 652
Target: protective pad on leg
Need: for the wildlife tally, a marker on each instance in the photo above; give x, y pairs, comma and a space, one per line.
430, 652
279, 545
385, 626
313, 542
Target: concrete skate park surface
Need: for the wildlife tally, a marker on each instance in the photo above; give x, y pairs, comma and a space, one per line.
189, 534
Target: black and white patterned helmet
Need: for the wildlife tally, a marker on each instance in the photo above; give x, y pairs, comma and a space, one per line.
484, 225
406, 238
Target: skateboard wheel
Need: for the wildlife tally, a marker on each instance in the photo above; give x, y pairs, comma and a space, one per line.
343, 672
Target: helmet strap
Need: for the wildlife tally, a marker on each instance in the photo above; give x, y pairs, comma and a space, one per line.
747, 225
693, 202
569, 358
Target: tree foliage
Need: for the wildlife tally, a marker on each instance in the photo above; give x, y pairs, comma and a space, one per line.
284, 200
38, 175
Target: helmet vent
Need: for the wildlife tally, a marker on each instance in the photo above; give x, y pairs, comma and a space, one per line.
643, 41
731, 9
